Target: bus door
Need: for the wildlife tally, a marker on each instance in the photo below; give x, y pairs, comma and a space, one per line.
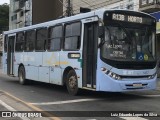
10, 55
90, 55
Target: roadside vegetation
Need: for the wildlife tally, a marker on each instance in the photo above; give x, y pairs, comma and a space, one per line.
4, 17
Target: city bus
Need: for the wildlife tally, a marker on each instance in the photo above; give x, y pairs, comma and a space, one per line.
102, 50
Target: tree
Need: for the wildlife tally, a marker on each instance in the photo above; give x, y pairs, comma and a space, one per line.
4, 17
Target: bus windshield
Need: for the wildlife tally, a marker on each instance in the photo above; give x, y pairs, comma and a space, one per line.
128, 43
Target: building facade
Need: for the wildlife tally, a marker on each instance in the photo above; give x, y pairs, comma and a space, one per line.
1, 44
28, 12
1, 49
152, 7
97, 4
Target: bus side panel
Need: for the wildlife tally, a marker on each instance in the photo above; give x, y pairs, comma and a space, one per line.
18, 59
32, 61
56, 75
4, 63
31, 72
79, 76
43, 74
75, 63
16, 70
51, 60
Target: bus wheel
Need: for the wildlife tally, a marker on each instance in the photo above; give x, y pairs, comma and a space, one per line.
72, 83
22, 79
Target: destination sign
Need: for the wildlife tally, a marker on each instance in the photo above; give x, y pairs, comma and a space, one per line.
131, 17
128, 18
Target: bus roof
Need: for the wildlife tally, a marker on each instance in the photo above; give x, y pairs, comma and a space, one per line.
77, 17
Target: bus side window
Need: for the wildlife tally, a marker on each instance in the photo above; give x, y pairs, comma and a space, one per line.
55, 37
72, 36
41, 39
30, 40
20, 42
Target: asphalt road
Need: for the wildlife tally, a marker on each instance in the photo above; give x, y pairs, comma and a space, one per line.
55, 99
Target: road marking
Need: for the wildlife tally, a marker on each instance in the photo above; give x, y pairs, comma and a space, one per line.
52, 116
151, 95
65, 102
133, 118
11, 109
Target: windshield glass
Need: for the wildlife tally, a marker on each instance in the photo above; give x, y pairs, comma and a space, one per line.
128, 44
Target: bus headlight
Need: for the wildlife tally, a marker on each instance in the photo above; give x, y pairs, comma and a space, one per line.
111, 74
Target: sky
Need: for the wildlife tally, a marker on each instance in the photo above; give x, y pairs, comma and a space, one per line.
4, 1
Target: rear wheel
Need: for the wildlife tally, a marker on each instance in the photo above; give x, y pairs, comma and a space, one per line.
22, 76
72, 83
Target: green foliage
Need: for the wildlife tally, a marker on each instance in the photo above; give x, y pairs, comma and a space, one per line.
4, 17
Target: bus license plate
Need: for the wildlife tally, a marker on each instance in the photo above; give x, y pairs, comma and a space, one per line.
137, 85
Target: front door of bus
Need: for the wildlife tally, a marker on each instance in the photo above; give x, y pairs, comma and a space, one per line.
90, 54
10, 55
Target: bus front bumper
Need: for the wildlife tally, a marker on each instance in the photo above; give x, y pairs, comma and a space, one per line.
106, 83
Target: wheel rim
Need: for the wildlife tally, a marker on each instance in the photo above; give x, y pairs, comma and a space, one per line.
73, 82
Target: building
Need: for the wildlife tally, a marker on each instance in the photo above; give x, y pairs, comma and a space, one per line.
29, 12
152, 7
1, 49
1, 44
97, 4
149, 6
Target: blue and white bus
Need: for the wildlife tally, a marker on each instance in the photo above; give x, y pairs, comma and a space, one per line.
102, 50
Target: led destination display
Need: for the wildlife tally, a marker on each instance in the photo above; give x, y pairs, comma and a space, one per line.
121, 16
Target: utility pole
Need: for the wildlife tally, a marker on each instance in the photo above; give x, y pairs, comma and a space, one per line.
69, 9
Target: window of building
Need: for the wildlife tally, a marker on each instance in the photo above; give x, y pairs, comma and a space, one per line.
41, 39
55, 36
72, 36
21, 13
14, 17
30, 40
130, 6
144, 2
20, 42
150, 1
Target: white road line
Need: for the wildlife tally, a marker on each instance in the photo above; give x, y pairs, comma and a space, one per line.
133, 118
7, 106
11, 109
151, 95
64, 102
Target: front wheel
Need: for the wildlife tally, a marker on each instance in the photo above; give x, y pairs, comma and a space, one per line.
72, 83
22, 76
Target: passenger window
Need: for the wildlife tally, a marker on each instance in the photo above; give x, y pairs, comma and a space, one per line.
30, 40
72, 36
55, 36
20, 42
41, 39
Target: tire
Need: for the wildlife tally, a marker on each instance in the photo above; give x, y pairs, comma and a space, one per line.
72, 83
22, 76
